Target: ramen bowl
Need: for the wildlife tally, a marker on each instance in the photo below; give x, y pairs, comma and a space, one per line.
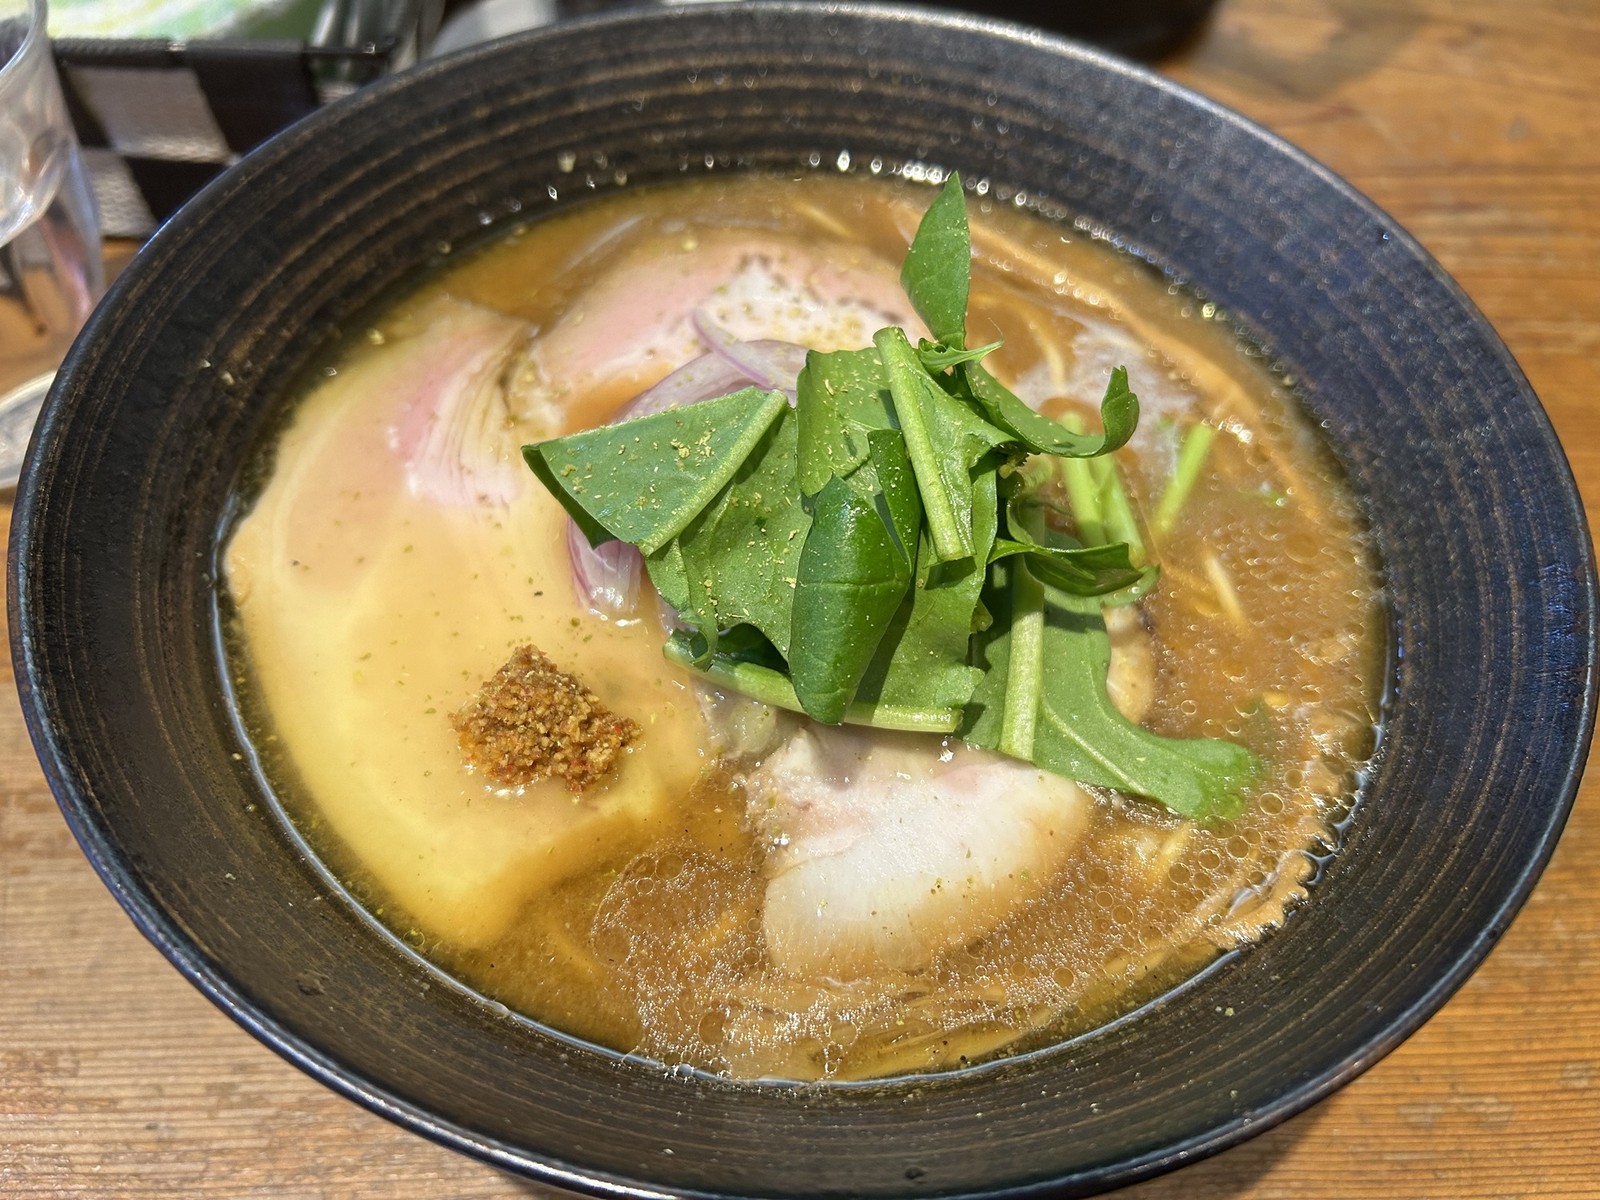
137, 464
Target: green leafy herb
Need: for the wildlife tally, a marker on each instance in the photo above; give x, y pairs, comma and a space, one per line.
937, 279
644, 481
925, 657
945, 440
842, 398
890, 550
1119, 415
1076, 570
1064, 718
772, 686
853, 575
937, 273
738, 558
936, 357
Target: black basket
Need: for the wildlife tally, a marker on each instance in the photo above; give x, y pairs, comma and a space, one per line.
158, 119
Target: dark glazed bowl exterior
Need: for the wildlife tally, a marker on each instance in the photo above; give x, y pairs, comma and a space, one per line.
1478, 522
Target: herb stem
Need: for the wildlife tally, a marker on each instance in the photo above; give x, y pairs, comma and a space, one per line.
1191, 459
1121, 525
1083, 497
774, 688
1025, 667
951, 540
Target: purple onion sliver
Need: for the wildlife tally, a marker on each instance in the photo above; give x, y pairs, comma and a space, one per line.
705, 377
605, 577
782, 363
767, 363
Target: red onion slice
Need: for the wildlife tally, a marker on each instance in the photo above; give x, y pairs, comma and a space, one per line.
704, 377
767, 363
607, 577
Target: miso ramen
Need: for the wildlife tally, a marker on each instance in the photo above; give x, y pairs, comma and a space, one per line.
726, 883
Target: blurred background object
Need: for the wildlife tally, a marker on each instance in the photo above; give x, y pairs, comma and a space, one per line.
51, 272
166, 94
1144, 29
181, 18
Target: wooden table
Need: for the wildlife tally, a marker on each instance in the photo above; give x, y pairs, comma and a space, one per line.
1477, 125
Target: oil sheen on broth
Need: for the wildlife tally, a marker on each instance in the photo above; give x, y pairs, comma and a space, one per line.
398, 552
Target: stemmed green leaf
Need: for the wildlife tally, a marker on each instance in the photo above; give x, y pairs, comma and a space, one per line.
1119, 415
841, 399
1076, 570
771, 686
937, 358
925, 657
1065, 716
937, 279
944, 439
739, 558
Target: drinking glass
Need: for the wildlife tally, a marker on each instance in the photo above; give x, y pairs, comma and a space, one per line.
51, 272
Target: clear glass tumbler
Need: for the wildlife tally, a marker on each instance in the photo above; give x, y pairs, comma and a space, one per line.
51, 271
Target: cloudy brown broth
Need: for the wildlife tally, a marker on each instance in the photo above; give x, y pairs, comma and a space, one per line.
368, 606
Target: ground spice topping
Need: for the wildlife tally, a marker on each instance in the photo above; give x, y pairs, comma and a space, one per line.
533, 721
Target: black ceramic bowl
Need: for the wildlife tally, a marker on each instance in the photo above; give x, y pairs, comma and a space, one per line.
1472, 504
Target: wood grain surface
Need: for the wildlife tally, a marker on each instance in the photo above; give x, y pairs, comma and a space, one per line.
1477, 125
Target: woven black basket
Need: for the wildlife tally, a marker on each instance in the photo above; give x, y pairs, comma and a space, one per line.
158, 119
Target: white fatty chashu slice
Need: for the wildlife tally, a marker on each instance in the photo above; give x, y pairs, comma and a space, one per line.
889, 849
636, 321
